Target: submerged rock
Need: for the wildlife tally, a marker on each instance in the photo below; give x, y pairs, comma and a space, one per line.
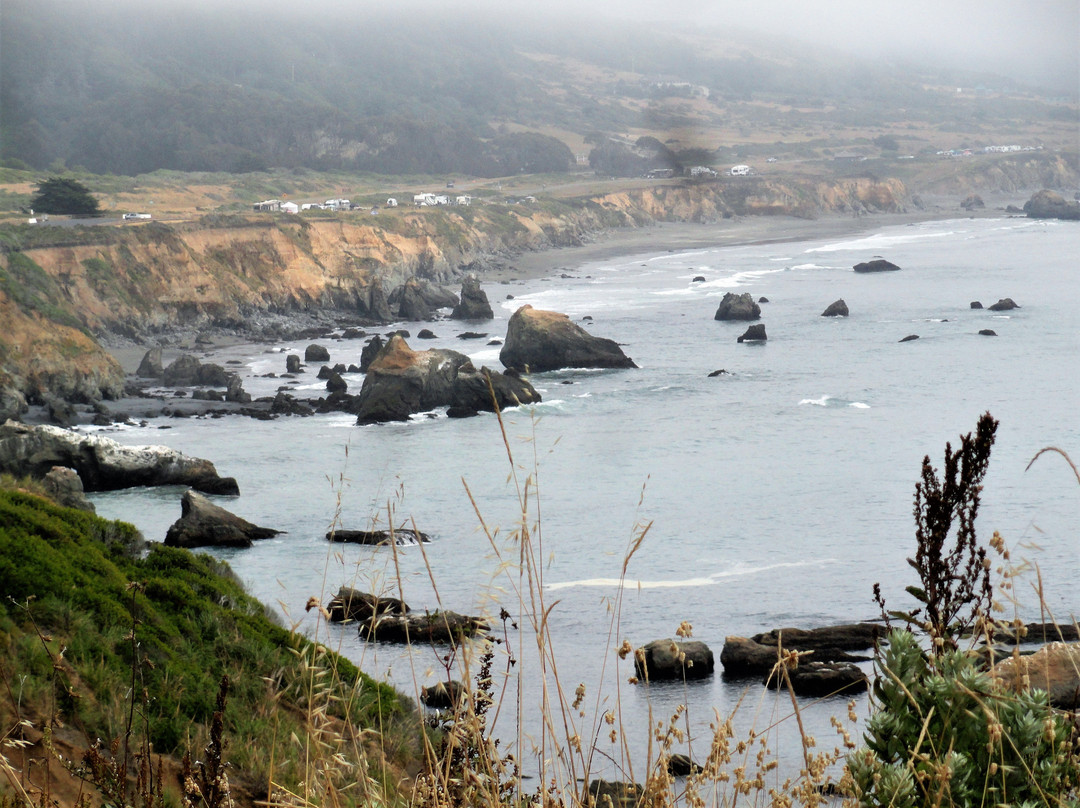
876, 265
429, 627
204, 524
538, 341
399, 536
910, 338
817, 679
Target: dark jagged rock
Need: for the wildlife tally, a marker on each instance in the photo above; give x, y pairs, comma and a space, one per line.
150, 367
472, 335
64, 487
474, 303
546, 340
316, 353
737, 307
442, 695
182, 372
668, 659
207, 395
817, 679
235, 391
401, 381
716, 373
324, 373
973, 202
430, 627
614, 794
987, 332
411, 302
103, 464
378, 308
1004, 304
876, 265
909, 338
836, 309
285, 404
60, 412
698, 279
12, 403
755, 333
426, 333
204, 524
336, 384
370, 351
757, 655
353, 333
1046, 204
399, 536
355, 606
975, 304
292, 363
680, 765
763, 299
213, 375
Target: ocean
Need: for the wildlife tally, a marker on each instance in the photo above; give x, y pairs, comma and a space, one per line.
775, 494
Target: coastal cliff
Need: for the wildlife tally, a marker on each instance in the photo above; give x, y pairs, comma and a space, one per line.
58, 298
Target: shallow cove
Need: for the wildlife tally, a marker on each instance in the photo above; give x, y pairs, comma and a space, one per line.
778, 493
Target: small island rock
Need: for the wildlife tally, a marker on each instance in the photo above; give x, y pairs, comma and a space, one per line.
755, 333
539, 340
876, 265
836, 309
204, 524
737, 307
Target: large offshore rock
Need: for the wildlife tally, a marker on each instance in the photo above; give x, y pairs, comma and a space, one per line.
876, 265
103, 464
837, 308
539, 340
474, 303
737, 307
150, 367
401, 381
204, 524
1046, 204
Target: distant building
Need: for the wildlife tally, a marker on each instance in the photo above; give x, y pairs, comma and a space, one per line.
269, 206
740, 171
391, 202
290, 207
464, 199
661, 173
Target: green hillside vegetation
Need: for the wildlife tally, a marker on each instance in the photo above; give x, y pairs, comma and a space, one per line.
99, 641
131, 88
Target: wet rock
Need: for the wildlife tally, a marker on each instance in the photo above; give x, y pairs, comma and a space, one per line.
538, 340
355, 606
63, 486
292, 364
819, 679
370, 351
973, 202
400, 536
316, 353
104, 464
910, 338
442, 695
763, 299
60, 412
378, 308
680, 765
426, 333
975, 304
150, 367
472, 335
670, 659
474, 303
235, 391
204, 524
755, 333
698, 279
182, 372
429, 627
716, 373
737, 307
12, 403
876, 265
756, 656
1004, 304
285, 404
987, 332
614, 794
411, 302
336, 384
836, 309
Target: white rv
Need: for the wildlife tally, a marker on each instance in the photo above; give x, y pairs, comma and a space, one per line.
740, 171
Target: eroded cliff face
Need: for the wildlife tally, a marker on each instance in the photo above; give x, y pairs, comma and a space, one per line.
225, 271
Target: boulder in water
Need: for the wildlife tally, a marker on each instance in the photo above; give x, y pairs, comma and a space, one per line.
836, 309
737, 307
539, 340
755, 333
204, 524
474, 303
876, 265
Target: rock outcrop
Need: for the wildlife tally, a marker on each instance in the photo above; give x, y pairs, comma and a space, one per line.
836, 309
538, 340
316, 353
355, 606
819, 679
973, 202
754, 333
737, 307
150, 367
1046, 204
474, 303
669, 659
103, 464
429, 627
1054, 668
65, 488
401, 381
400, 536
1004, 304
756, 656
442, 695
876, 265
204, 524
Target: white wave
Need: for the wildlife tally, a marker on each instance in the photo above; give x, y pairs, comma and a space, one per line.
859, 405
877, 241
737, 571
811, 266
488, 355
584, 395
784, 258
817, 402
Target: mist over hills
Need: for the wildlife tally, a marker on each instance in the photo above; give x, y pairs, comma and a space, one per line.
126, 88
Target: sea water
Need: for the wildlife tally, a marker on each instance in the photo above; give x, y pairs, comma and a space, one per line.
775, 494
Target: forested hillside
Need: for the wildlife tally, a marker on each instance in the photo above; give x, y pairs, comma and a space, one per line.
130, 88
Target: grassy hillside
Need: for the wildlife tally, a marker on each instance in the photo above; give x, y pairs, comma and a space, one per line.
99, 642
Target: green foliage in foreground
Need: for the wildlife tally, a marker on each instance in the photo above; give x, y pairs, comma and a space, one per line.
945, 733
72, 591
